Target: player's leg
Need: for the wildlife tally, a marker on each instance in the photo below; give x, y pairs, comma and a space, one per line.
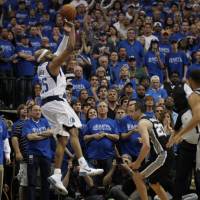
85, 170
60, 149
140, 185
159, 190
55, 179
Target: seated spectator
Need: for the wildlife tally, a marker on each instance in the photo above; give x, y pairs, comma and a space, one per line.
155, 90
149, 107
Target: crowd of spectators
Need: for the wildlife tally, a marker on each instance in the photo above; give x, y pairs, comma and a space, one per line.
128, 51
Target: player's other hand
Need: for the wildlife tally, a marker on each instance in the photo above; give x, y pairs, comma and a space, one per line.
68, 26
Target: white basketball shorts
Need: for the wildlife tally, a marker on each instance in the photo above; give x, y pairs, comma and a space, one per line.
60, 113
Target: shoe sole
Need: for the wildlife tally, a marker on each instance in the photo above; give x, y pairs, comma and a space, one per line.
90, 174
59, 190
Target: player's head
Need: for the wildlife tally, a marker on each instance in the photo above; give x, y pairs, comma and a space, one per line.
43, 55
138, 110
194, 79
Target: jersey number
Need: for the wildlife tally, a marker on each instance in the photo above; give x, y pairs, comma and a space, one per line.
44, 85
159, 130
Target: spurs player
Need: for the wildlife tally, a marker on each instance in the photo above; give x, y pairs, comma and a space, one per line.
55, 107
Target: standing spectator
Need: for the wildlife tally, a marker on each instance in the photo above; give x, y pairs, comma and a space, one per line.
129, 140
114, 67
102, 47
140, 94
102, 93
35, 38
112, 102
7, 54
155, 90
195, 65
148, 36
100, 135
4, 150
22, 13
37, 131
25, 65
176, 61
174, 81
133, 47
79, 82
154, 61
20, 147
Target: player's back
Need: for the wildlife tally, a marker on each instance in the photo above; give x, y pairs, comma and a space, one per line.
51, 85
158, 137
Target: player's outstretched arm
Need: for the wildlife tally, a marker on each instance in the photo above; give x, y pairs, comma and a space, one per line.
55, 64
143, 127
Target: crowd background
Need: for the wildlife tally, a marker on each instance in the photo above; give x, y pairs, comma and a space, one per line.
131, 50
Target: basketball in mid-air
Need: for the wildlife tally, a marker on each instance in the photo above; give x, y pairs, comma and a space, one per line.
68, 11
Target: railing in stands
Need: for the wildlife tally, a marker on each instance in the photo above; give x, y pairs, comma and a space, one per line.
14, 91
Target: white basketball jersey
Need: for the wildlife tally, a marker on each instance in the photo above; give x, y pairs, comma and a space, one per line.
51, 86
193, 135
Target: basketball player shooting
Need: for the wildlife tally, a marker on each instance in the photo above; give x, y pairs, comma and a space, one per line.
56, 109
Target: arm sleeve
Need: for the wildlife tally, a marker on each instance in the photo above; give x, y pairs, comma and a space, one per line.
62, 46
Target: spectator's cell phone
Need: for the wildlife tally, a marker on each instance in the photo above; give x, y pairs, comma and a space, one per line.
119, 160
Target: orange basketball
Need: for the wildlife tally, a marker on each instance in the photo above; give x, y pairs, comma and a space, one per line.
68, 11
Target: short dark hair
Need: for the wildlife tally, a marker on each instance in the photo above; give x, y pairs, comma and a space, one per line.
195, 75
139, 106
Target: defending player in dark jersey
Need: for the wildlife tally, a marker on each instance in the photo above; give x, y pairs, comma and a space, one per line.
154, 141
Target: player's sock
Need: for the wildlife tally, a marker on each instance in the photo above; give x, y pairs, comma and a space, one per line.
82, 162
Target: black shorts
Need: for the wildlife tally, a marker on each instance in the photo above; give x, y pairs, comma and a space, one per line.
155, 169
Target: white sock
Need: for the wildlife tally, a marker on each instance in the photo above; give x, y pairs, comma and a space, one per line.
82, 162
188, 90
57, 171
